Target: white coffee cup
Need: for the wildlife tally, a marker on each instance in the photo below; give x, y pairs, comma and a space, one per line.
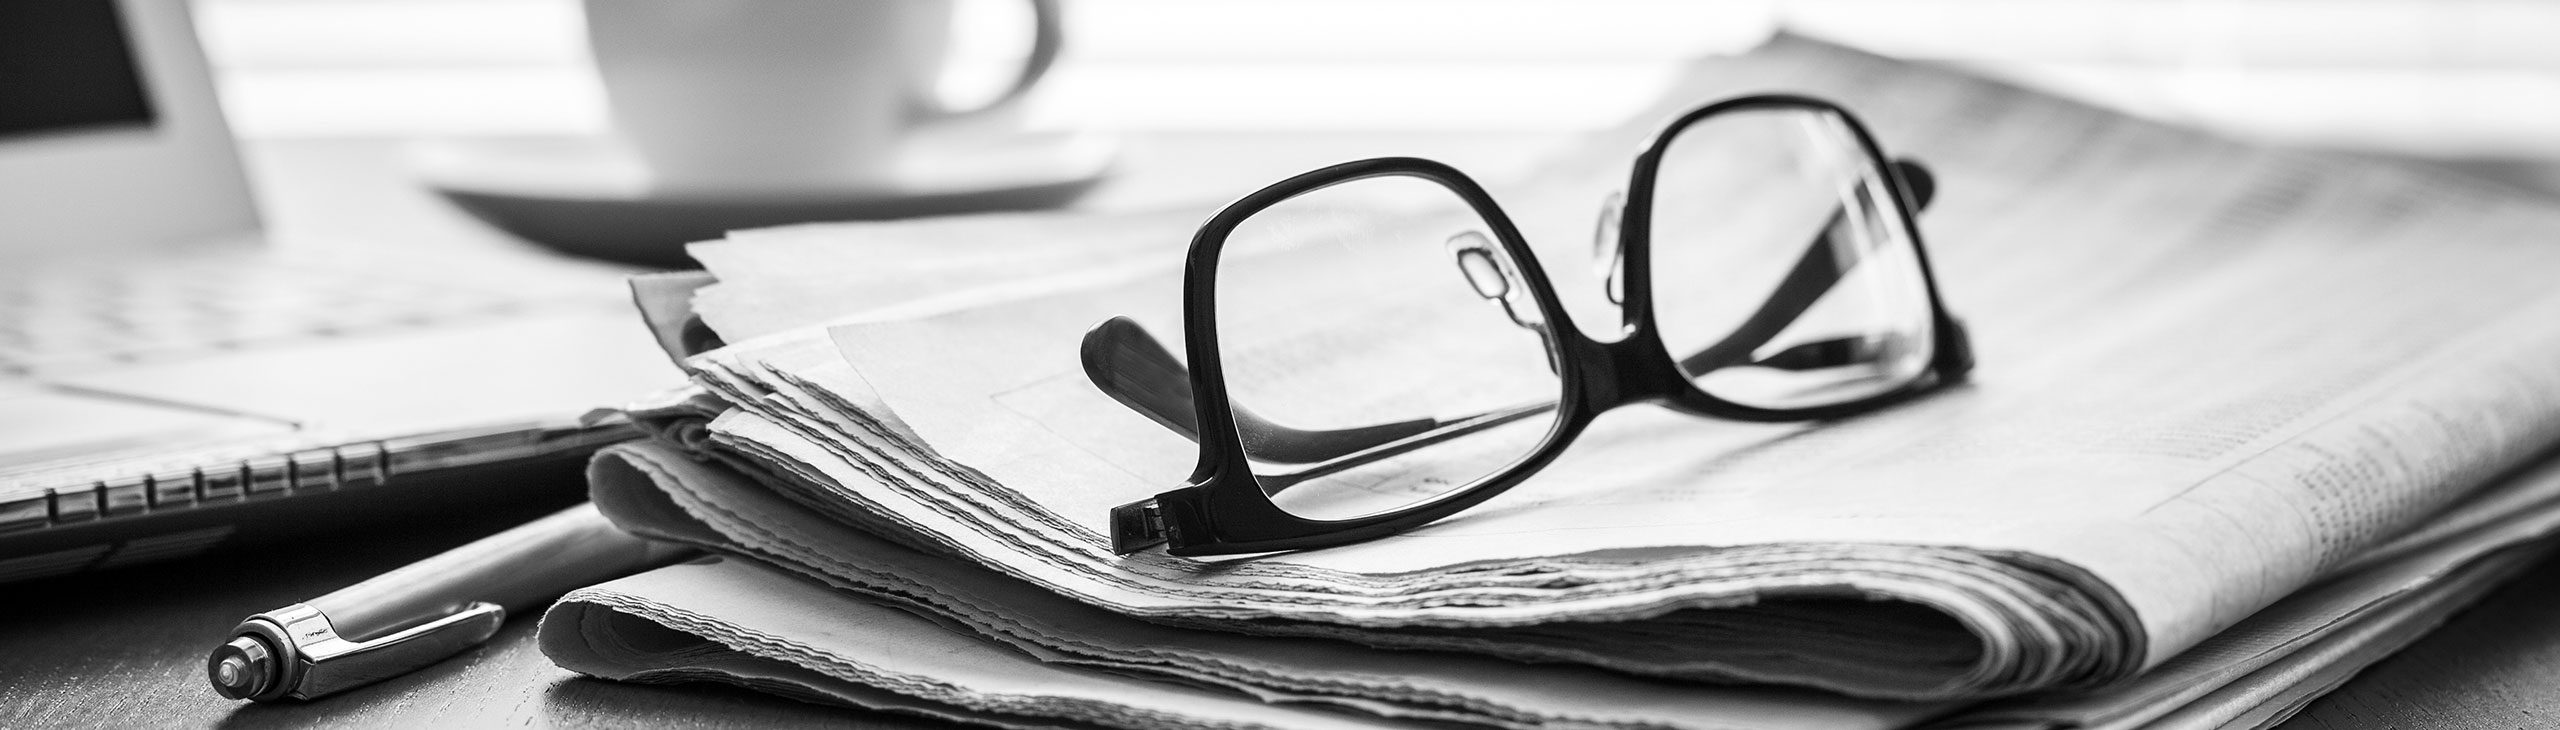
749, 97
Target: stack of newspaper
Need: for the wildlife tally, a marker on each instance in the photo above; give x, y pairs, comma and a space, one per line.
2246, 420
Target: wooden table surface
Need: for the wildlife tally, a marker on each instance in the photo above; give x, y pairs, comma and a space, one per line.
125, 648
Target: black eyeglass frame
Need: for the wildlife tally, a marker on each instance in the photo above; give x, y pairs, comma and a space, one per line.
1222, 508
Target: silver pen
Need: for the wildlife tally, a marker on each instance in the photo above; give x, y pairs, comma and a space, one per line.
421, 613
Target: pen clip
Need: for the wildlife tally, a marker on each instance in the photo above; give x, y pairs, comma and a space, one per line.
317, 662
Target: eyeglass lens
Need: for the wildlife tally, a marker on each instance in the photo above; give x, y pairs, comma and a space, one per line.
1782, 276
1379, 348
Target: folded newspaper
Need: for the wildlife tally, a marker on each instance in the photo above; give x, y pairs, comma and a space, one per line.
2238, 427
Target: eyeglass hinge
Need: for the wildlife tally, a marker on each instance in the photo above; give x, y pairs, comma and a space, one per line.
1136, 526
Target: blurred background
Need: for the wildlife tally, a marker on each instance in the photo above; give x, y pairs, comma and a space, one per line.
2453, 78
1214, 99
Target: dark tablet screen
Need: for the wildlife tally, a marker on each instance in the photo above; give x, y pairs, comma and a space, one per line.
67, 64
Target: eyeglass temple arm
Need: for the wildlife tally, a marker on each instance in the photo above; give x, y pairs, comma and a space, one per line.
1134, 368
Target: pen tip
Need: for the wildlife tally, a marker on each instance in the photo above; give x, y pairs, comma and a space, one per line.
232, 673
241, 669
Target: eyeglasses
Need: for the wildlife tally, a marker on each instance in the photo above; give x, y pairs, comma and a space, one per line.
1373, 346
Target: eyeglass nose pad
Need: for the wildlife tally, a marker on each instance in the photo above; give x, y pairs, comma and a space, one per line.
1494, 279
1608, 252
1484, 271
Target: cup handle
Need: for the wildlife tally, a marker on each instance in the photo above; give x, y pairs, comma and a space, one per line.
1046, 36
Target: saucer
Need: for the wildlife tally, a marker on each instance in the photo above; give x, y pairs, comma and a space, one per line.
592, 196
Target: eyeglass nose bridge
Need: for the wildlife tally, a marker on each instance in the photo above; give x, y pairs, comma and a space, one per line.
1624, 371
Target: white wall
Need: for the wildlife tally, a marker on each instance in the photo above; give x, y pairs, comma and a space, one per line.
2463, 77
